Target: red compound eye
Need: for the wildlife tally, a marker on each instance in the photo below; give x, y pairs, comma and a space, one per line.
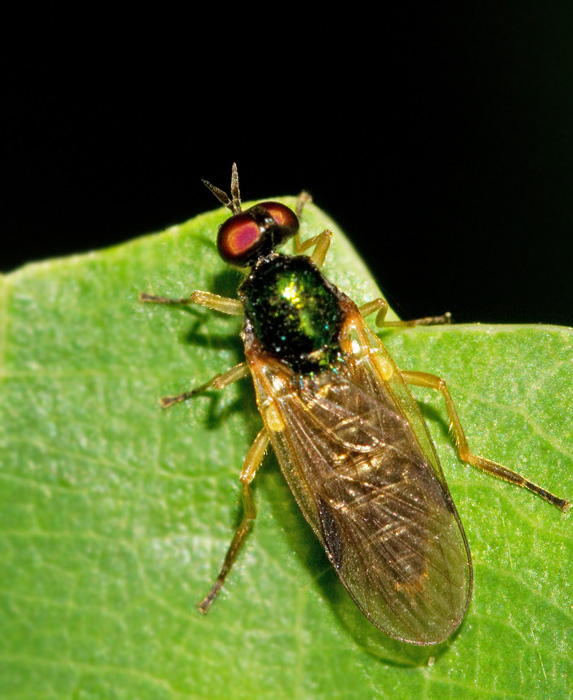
238, 237
253, 234
283, 217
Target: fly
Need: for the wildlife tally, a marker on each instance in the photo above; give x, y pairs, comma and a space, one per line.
349, 437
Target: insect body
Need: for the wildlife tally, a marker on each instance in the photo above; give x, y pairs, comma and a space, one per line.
350, 439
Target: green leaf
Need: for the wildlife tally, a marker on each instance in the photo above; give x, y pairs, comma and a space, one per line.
115, 515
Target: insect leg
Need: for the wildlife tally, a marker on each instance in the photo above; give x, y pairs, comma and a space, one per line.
225, 305
232, 307
381, 306
321, 244
219, 381
302, 199
252, 462
431, 381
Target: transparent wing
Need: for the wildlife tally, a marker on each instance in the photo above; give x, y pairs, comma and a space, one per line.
373, 492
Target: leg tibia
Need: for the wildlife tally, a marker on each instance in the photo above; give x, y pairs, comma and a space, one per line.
381, 306
225, 305
219, 381
250, 467
321, 245
431, 381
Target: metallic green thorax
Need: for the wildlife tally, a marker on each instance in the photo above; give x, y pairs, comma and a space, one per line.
293, 311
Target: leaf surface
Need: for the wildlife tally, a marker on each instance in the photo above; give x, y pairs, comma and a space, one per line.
115, 515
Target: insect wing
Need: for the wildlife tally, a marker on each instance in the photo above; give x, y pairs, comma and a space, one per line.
364, 472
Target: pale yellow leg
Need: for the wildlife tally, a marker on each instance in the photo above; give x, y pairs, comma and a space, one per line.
321, 244
381, 306
252, 462
232, 307
431, 381
219, 381
303, 198
225, 305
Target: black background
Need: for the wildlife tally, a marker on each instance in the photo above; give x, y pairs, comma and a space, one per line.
440, 139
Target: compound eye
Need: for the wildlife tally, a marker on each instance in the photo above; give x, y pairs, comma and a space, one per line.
252, 234
283, 217
238, 239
